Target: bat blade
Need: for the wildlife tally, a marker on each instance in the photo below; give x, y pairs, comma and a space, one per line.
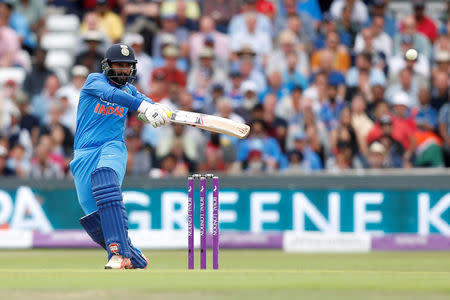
210, 123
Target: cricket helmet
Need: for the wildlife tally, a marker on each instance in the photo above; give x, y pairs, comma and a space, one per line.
119, 53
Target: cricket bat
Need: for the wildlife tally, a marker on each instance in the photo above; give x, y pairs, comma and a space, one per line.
209, 122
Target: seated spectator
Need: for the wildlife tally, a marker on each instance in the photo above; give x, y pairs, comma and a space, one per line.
109, 21
332, 107
341, 61
317, 92
275, 86
249, 71
27, 120
364, 74
34, 11
44, 163
169, 40
428, 151
288, 45
394, 150
444, 131
425, 24
359, 14
443, 41
137, 13
296, 24
377, 156
361, 121
249, 100
328, 25
144, 64
92, 23
169, 25
345, 152
424, 112
380, 8
406, 84
291, 77
214, 157
420, 65
187, 12
18, 22
237, 23
233, 89
69, 94
221, 11
439, 90
420, 42
347, 24
270, 154
442, 62
18, 161
208, 36
10, 45
374, 40
173, 76
4, 170
290, 105
35, 79
311, 161
93, 56
205, 71
40, 104
259, 41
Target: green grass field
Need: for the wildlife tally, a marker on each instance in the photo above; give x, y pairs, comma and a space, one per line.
244, 274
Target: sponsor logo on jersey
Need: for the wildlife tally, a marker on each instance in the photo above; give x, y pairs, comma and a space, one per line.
108, 110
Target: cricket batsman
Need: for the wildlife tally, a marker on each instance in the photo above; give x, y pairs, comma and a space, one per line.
100, 154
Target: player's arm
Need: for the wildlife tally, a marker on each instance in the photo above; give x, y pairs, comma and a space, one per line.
152, 113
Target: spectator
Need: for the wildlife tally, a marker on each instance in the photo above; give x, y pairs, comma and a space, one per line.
420, 42
18, 161
379, 8
187, 12
377, 156
330, 24
442, 60
169, 25
109, 20
373, 39
419, 65
249, 71
332, 107
305, 38
214, 156
260, 148
290, 16
144, 65
4, 170
275, 86
40, 104
444, 130
173, 76
341, 61
288, 45
18, 23
424, 24
221, 11
27, 120
259, 41
318, 91
237, 22
439, 90
159, 87
9, 46
311, 161
43, 162
361, 121
347, 24
394, 150
35, 79
136, 13
139, 159
92, 57
363, 76
34, 12
359, 12
290, 106
208, 36
205, 71
70, 94
406, 84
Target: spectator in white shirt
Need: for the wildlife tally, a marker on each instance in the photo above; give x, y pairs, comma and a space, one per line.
144, 62
360, 13
380, 40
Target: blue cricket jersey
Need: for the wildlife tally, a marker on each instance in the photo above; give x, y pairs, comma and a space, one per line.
102, 111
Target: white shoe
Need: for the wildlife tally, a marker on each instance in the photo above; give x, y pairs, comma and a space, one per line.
117, 261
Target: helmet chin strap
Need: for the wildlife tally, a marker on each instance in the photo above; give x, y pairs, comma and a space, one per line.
112, 75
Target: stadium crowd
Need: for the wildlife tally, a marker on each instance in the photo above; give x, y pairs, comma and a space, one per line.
324, 84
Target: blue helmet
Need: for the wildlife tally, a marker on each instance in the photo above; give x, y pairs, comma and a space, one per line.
119, 53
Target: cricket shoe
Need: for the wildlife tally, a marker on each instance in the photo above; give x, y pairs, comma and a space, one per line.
146, 259
117, 261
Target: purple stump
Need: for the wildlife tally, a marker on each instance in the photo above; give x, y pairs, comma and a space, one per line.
215, 221
203, 222
190, 223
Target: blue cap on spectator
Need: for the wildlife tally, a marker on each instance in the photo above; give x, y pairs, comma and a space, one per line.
217, 87
379, 2
334, 79
169, 17
328, 17
299, 136
235, 72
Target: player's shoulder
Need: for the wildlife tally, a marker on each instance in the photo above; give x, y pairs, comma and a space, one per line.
96, 76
